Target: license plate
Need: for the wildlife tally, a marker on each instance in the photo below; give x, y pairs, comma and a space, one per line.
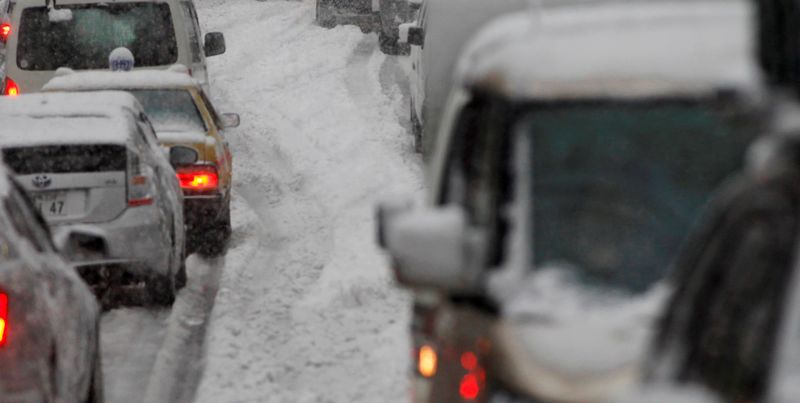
59, 204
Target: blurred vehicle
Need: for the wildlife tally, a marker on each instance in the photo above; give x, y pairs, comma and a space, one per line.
49, 320
182, 114
561, 191
731, 326
381, 16
80, 34
330, 13
436, 38
93, 158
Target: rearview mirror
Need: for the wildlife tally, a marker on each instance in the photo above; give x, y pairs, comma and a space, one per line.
412, 34
214, 44
182, 155
436, 248
230, 120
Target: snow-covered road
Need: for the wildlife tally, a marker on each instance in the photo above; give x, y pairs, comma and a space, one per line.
306, 311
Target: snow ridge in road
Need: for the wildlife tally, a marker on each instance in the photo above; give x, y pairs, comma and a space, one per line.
310, 315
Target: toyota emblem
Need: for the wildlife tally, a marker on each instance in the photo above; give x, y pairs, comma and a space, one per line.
42, 181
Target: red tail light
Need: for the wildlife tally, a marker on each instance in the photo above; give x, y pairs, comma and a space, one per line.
3, 318
5, 31
199, 177
473, 382
10, 88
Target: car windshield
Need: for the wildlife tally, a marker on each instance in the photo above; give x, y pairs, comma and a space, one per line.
85, 40
171, 110
617, 186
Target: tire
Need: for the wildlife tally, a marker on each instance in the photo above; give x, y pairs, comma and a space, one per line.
96, 394
214, 240
161, 290
388, 44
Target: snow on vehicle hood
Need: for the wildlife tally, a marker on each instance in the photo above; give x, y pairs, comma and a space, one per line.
575, 331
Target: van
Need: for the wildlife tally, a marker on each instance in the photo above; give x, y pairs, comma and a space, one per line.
81, 34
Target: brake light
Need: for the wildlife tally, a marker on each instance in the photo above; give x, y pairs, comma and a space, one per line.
3, 318
10, 88
427, 361
199, 177
140, 190
471, 383
5, 31
470, 387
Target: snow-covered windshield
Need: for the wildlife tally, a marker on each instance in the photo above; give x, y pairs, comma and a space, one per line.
85, 40
617, 186
171, 110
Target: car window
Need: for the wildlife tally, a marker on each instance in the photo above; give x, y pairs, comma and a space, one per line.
617, 185
85, 40
171, 110
476, 174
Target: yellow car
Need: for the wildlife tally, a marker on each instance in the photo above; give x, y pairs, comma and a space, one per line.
182, 114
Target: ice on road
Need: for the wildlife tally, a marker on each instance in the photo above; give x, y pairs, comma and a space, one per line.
306, 310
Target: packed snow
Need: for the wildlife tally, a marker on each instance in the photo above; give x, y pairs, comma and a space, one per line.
305, 309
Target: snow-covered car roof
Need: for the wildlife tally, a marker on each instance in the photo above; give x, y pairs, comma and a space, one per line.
618, 49
68, 118
103, 80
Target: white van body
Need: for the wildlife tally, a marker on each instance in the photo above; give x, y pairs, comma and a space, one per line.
30, 72
447, 25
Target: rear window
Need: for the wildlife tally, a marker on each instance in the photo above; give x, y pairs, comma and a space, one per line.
64, 159
85, 41
171, 110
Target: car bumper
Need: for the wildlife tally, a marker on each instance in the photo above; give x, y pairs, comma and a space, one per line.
138, 240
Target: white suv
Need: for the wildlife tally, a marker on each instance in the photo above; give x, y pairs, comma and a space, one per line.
81, 34
92, 159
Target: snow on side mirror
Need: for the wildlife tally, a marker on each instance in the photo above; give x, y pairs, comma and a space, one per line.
411, 33
385, 213
436, 248
230, 120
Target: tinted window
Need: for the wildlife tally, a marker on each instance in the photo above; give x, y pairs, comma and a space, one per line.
62, 159
86, 40
616, 186
171, 110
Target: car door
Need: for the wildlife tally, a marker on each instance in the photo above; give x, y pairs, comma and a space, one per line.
731, 282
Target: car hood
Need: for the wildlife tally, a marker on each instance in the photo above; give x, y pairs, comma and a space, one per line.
564, 340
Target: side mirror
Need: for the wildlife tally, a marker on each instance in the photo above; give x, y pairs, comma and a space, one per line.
214, 44
230, 120
384, 214
81, 244
412, 34
436, 248
182, 155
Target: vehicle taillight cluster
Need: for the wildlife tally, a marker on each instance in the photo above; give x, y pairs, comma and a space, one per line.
474, 381
140, 190
10, 88
3, 318
5, 31
427, 361
198, 177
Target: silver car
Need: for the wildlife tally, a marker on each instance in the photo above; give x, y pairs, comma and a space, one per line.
49, 346
93, 158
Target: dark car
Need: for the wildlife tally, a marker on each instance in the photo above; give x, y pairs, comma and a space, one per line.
381, 16
49, 319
